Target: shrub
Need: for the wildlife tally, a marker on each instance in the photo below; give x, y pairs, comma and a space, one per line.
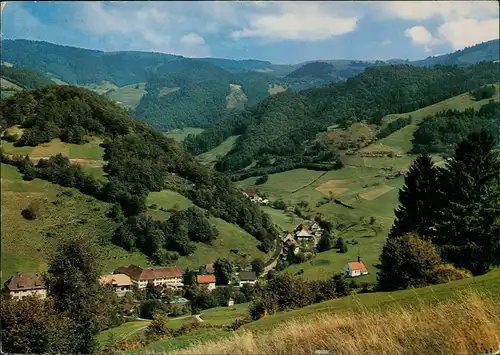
31, 212
262, 179
446, 273
150, 308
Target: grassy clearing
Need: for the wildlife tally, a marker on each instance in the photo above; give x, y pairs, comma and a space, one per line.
166, 91
181, 133
455, 326
211, 156
286, 222
101, 88
123, 332
7, 85
26, 244
236, 98
400, 140
275, 89
128, 96
88, 151
230, 235
169, 345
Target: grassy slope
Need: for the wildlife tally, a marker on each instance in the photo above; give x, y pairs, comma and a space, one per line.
366, 303
180, 134
128, 96
210, 157
230, 235
25, 243
365, 188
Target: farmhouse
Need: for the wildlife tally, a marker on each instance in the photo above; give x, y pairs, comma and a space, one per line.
206, 281
308, 231
355, 269
22, 285
253, 196
159, 276
247, 277
121, 283
292, 244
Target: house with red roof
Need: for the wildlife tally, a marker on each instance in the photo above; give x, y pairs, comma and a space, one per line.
355, 268
168, 276
206, 281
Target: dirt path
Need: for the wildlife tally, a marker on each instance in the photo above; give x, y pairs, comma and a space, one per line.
312, 182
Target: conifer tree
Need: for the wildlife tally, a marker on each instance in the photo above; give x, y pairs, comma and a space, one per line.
419, 204
469, 231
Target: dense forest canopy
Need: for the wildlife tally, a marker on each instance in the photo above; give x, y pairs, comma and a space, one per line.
441, 132
280, 131
138, 161
25, 77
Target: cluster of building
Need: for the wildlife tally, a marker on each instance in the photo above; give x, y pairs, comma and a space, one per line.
21, 285
308, 231
255, 198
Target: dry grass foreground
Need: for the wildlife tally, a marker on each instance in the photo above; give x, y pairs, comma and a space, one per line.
469, 324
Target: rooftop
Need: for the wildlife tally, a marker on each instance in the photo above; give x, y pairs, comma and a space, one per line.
23, 282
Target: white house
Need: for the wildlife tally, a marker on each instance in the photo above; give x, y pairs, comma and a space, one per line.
22, 285
121, 283
206, 281
247, 277
355, 269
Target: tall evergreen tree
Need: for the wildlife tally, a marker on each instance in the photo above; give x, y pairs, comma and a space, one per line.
469, 231
418, 200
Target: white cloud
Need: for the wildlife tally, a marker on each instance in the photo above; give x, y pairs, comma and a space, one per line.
467, 32
192, 39
460, 23
300, 21
419, 35
386, 42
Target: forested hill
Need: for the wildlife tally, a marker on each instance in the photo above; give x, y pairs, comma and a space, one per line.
26, 78
279, 133
138, 161
486, 51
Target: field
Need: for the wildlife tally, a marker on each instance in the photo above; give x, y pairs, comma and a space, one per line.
359, 306
101, 88
166, 91
8, 88
211, 156
461, 317
181, 133
368, 184
63, 212
128, 96
230, 235
236, 98
275, 89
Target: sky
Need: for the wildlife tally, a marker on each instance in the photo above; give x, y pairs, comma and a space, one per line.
280, 32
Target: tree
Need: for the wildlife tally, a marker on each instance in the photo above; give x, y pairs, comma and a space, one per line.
189, 278
406, 261
32, 326
326, 242
72, 281
153, 292
257, 266
223, 270
339, 243
469, 231
289, 292
152, 307
341, 286
418, 203
262, 179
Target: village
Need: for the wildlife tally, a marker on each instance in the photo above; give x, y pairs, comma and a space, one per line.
132, 277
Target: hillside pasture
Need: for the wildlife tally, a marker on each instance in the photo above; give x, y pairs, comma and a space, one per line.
276, 88
165, 91
180, 134
236, 98
210, 157
63, 212
128, 96
230, 236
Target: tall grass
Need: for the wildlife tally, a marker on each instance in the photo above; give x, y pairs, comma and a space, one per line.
469, 324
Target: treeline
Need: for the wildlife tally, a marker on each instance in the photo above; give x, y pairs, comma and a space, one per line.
138, 161
164, 241
446, 216
25, 77
282, 125
441, 132
394, 126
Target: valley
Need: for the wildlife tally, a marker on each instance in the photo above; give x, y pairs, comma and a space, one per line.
167, 204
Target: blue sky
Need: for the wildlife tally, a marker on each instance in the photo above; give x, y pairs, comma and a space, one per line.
280, 32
